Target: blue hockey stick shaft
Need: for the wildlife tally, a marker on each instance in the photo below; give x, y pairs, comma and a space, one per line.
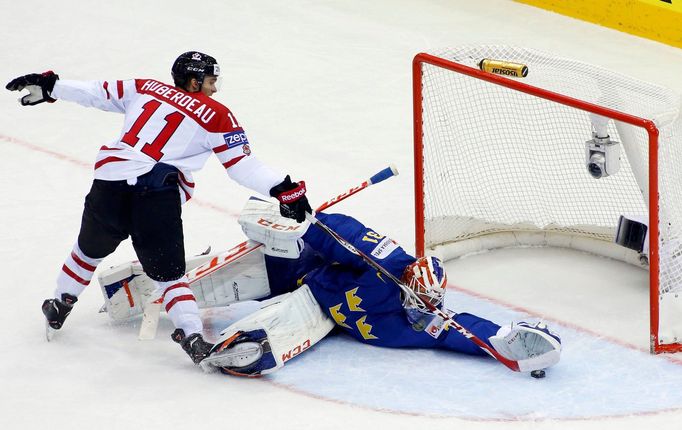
383, 175
380, 176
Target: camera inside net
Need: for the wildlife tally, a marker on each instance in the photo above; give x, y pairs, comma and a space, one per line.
602, 156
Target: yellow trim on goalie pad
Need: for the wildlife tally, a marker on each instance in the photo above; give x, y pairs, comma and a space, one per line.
657, 20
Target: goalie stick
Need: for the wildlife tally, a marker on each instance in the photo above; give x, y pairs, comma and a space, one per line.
152, 311
511, 364
384, 174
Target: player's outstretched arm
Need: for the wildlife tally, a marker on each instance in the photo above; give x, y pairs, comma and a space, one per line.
47, 87
110, 96
39, 86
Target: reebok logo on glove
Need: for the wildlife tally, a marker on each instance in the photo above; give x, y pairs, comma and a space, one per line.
293, 195
292, 199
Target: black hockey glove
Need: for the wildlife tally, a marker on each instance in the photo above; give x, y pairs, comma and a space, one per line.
39, 86
292, 200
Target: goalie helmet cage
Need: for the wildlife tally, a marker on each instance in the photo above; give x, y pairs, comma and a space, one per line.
501, 162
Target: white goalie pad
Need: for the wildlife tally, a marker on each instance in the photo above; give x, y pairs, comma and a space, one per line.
216, 280
281, 237
243, 278
125, 289
292, 323
533, 346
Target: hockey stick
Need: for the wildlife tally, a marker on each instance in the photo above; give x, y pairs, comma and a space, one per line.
152, 311
246, 247
378, 177
511, 364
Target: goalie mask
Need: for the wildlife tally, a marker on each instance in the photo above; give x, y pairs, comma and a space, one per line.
427, 278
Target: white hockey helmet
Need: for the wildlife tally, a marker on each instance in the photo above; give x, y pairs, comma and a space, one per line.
427, 278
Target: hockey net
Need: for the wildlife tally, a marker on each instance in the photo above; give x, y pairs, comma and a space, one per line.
501, 162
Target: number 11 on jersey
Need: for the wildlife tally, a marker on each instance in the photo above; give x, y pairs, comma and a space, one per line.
154, 148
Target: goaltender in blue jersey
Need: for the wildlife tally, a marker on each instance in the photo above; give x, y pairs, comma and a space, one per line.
360, 300
326, 286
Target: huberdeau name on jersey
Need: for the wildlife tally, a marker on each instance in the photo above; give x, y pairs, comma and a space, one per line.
189, 103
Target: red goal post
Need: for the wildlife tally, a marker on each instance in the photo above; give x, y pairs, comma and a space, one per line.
451, 77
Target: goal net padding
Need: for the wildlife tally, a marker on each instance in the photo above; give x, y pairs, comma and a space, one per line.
501, 162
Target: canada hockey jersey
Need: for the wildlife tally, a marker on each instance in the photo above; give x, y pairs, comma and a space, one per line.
165, 124
363, 302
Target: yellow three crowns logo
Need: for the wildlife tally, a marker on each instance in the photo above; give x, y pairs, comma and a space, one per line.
338, 316
354, 305
353, 300
365, 328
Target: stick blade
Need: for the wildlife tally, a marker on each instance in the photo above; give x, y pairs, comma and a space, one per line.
49, 332
150, 320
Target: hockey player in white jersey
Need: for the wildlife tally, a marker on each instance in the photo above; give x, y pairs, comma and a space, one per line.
144, 175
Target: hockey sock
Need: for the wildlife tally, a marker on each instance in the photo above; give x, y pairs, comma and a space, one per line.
180, 304
76, 273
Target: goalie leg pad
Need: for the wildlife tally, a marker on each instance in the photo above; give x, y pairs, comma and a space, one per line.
127, 290
534, 346
284, 327
244, 277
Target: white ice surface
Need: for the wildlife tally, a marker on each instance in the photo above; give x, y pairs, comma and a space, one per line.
323, 89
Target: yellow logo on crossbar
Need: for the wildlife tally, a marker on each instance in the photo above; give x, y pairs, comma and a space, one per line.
675, 5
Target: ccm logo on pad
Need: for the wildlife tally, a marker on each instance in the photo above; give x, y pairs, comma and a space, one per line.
274, 226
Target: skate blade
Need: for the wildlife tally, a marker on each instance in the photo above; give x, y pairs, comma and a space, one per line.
240, 355
49, 332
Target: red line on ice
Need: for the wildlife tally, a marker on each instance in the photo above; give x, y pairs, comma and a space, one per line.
87, 165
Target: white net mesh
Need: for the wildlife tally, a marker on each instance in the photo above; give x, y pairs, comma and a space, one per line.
498, 160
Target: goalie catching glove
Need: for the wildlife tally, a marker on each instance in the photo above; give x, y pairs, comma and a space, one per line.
293, 202
39, 86
534, 346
